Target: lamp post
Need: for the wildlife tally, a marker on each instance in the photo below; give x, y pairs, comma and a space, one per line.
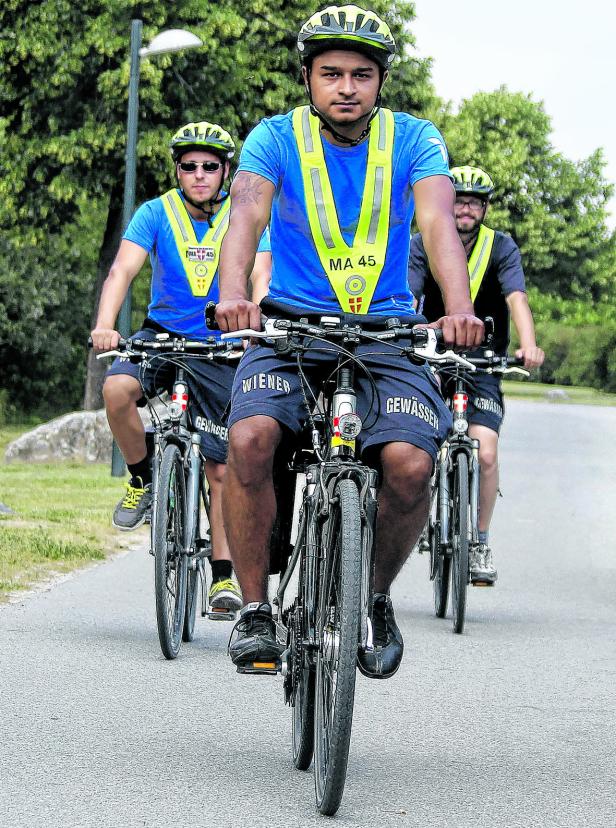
170, 40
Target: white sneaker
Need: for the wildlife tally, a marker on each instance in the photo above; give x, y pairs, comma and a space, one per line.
481, 565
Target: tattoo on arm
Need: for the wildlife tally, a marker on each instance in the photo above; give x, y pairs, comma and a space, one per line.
248, 189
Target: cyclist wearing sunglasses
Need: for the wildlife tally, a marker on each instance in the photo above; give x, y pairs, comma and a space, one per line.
182, 232
341, 178
497, 290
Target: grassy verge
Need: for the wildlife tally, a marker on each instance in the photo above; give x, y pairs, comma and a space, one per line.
556, 393
61, 519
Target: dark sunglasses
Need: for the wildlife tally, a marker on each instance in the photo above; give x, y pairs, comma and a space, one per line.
191, 166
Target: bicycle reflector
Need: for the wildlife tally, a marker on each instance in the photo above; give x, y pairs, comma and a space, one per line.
460, 404
179, 401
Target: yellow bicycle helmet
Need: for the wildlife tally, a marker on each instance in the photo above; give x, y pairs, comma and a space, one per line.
347, 27
202, 136
473, 181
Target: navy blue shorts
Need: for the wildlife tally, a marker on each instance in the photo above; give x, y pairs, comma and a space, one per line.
209, 393
486, 406
407, 406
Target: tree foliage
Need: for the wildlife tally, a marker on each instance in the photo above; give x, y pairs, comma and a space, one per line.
553, 207
64, 72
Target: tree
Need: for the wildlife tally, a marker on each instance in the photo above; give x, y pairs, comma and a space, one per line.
63, 89
553, 207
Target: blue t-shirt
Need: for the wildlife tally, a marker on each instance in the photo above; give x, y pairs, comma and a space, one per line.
298, 278
172, 302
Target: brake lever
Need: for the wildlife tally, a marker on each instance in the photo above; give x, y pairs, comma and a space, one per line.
270, 331
516, 369
429, 352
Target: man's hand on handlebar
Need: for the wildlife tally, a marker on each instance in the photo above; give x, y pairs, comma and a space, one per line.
104, 339
460, 330
237, 314
533, 357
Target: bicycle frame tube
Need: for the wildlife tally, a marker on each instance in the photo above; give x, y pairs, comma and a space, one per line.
474, 491
443, 492
192, 491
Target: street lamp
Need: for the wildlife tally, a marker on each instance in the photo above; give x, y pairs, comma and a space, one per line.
171, 40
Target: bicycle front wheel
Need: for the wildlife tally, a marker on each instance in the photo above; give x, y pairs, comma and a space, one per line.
337, 631
459, 539
168, 542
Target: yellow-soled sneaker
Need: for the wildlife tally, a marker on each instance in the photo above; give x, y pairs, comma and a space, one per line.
225, 595
134, 507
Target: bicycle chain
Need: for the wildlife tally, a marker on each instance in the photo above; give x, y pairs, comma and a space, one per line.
295, 647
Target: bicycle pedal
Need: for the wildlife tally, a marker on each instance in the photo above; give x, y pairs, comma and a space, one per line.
264, 668
221, 614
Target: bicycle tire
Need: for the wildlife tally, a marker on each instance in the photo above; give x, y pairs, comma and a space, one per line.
337, 633
192, 600
459, 542
440, 563
442, 567
168, 545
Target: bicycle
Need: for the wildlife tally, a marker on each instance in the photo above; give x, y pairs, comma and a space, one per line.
453, 523
180, 538
329, 618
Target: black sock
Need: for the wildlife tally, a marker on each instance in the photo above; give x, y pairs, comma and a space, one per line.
141, 469
221, 570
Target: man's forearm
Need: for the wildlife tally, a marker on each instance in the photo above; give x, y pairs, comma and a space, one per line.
522, 319
448, 265
251, 201
114, 290
237, 259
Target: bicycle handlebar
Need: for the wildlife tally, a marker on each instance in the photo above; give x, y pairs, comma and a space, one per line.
492, 363
164, 343
424, 340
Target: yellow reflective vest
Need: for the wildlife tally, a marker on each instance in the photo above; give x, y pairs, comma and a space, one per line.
352, 270
199, 258
480, 258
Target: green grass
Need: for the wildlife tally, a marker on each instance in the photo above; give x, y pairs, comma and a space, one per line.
576, 395
61, 518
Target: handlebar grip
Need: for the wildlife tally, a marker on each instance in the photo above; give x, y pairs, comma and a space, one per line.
210, 316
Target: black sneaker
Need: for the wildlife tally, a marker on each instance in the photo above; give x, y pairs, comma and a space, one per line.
386, 656
134, 507
255, 648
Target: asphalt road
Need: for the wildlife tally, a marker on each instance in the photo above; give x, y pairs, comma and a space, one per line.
511, 724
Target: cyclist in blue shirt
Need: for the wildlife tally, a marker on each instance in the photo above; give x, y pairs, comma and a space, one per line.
340, 179
498, 290
182, 232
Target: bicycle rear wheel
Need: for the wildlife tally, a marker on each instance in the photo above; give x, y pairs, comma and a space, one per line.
337, 634
168, 544
440, 564
459, 539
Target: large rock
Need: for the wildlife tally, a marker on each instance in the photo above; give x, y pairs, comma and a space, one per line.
81, 436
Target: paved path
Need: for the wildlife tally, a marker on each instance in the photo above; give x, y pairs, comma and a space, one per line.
511, 724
